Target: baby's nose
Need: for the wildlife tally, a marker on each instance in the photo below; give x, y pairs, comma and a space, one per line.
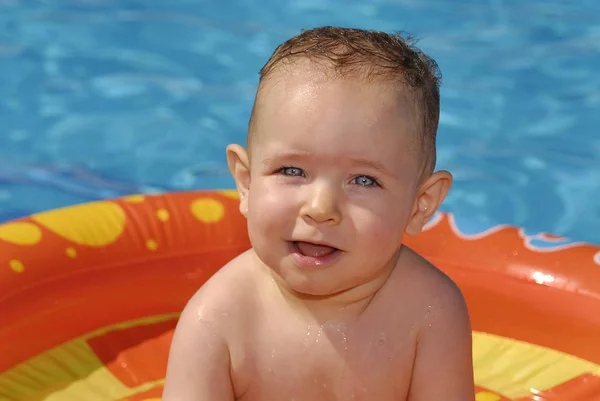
321, 204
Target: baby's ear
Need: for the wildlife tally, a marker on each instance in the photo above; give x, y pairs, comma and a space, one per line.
430, 196
237, 159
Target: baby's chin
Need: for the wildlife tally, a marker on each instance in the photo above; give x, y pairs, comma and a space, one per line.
313, 288
314, 291
312, 284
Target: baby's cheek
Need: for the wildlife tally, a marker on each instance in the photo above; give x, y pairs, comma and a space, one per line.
383, 229
272, 206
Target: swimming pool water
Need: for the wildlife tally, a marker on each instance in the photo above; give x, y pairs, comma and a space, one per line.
101, 98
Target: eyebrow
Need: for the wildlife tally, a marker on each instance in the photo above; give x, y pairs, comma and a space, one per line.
355, 162
371, 164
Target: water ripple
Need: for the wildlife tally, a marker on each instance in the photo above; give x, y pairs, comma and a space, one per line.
102, 97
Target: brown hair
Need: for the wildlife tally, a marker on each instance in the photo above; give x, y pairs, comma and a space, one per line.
369, 55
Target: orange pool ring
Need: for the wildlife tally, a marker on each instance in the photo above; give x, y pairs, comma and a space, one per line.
90, 294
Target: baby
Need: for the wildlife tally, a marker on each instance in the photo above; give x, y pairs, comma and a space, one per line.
328, 304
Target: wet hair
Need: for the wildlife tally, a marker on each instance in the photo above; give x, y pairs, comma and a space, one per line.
371, 56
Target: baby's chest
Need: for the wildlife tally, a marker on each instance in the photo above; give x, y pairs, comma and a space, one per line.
328, 363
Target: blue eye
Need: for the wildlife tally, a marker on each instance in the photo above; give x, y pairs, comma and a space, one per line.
293, 171
365, 181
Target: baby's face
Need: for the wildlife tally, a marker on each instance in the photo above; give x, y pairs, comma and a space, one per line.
336, 163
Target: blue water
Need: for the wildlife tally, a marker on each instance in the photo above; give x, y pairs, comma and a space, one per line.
101, 98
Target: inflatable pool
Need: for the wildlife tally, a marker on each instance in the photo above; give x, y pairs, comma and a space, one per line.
90, 295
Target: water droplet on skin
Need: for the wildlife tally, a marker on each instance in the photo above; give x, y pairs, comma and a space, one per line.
428, 309
225, 314
307, 337
382, 340
341, 329
272, 353
201, 318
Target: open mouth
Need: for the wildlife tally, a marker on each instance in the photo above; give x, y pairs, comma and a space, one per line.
313, 250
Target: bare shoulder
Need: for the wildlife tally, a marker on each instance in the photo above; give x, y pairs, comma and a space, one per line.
433, 290
225, 294
200, 361
444, 338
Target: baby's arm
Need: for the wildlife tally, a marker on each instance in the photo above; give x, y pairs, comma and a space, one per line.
443, 367
198, 367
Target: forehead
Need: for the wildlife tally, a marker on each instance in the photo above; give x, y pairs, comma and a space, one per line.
315, 114
306, 86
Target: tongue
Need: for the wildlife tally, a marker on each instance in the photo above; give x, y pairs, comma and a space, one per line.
316, 251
